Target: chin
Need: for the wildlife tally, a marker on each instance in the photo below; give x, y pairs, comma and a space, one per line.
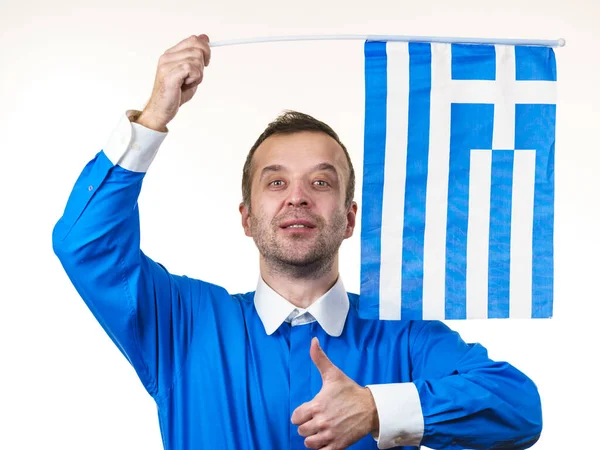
299, 259
296, 260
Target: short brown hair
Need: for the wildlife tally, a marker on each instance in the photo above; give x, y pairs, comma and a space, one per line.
287, 123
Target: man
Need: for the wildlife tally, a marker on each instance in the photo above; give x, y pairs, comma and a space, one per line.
291, 365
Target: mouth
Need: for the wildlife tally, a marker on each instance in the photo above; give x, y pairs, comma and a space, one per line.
297, 225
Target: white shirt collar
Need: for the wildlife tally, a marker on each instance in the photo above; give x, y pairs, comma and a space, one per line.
330, 310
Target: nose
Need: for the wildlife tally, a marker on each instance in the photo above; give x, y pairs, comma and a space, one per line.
298, 195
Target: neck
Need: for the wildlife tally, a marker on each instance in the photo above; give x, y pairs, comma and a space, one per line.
301, 286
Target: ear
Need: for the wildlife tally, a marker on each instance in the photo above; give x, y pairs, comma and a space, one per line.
245, 213
351, 218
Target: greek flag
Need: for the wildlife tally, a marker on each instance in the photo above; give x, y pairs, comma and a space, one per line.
458, 181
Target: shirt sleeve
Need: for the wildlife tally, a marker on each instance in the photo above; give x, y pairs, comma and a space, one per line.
467, 399
400, 416
458, 398
133, 146
145, 310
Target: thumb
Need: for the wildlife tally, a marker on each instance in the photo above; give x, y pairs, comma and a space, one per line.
320, 359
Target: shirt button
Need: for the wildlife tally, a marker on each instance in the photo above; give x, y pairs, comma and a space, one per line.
135, 146
90, 188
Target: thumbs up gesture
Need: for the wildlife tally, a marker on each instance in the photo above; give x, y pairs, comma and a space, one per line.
340, 414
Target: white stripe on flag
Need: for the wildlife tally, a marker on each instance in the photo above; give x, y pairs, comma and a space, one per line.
436, 209
392, 222
486, 91
480, 179
478, 233
521, 234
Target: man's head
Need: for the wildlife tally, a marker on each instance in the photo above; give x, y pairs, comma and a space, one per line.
288, 123
298, 187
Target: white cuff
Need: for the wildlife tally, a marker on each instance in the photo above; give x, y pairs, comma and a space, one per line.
133, 146
400, 414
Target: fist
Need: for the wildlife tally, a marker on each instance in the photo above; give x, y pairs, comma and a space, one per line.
180, 70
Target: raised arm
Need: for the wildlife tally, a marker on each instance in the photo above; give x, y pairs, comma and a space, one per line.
146, 311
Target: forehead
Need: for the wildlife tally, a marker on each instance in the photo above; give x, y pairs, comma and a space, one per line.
298, 151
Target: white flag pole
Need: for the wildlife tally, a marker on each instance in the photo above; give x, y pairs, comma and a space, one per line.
373, 37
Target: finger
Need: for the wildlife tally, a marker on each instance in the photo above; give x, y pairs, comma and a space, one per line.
193, 63
192, 41
187, 93
180, 73
320, 359
312, 426
319, 440
207, 56
302, 414
200, 42
192, 53
195, 74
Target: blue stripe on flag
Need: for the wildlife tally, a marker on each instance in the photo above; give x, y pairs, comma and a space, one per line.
471, 127
535, 125
535, 63
417, 154
499, 246
373, 174
473, 62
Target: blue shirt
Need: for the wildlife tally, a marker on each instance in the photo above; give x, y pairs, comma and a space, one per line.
220, 379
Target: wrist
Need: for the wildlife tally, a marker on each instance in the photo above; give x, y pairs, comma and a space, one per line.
147, 120
373, 414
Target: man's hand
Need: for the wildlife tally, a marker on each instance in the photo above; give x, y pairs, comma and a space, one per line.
180, 70
340, 414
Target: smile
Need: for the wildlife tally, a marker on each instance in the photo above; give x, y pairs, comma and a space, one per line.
297, 224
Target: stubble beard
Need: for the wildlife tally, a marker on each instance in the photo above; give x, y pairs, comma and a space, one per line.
289, 256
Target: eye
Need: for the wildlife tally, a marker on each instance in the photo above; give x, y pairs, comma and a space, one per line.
276, 183
321, 183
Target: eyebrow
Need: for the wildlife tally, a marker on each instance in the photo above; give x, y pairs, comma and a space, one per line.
272, 168
279, 168
326, 167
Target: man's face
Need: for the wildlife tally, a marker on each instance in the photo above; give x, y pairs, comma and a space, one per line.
297, 215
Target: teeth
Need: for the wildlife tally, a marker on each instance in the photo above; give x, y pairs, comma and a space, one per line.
296, 226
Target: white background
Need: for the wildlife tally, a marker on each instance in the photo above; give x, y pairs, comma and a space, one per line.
68, 71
